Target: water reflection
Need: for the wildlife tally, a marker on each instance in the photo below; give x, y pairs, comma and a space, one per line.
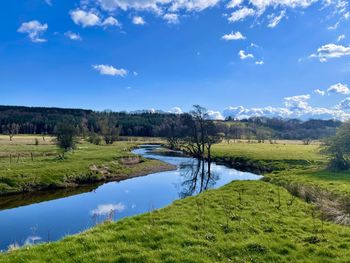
196, 178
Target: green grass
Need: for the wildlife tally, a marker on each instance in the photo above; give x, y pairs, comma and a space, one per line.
88, 163
267, 151
291, 162
240, 222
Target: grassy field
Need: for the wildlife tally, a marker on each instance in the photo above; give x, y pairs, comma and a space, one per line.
247, 221
27, 167
240, 222
281, 151
292, 163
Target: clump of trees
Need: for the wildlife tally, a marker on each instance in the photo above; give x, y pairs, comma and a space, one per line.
194, 133
109, 129
338, 148
66, 137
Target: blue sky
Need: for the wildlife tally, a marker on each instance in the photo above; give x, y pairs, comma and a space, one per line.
237, 58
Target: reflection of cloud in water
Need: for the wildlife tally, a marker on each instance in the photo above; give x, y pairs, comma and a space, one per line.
102, 210
31, 240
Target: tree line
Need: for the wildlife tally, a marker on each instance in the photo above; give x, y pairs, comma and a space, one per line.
38, 120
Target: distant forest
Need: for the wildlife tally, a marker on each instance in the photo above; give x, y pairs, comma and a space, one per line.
40, 120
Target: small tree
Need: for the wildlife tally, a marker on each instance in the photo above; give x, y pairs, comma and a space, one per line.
66, 136
109, 131
338, 148
94, 138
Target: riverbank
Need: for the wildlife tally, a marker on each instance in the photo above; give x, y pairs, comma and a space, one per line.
27, 167
248, 221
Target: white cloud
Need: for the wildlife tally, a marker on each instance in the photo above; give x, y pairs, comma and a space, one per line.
234, 3
241, 14
339, 88
319, 92
296, 103
110, 21
110, 70
275, 20
334, 27
344, 104
261, 62
176, 110
262, 5
72, 36
341, 37
191, 5
233, 36
295, 107
326, 52
242, 55
85, 18
138, 20
34, 29
171, 18
103, 210
215, 115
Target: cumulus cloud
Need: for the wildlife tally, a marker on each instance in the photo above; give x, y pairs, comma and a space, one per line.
72, 36
339, 88
103, 210
243, 55
85, 18
110, 70
233, 36
260, 62
110, 21
295, 107
241, 14
326, 52
215, 115
92, 18
34, 29
319, 92
275, 20
171, 18
176, 110
138, 20
297, 103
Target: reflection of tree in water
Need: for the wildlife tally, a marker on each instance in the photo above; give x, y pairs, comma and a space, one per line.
197, 177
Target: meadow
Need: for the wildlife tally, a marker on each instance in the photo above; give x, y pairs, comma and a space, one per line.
247, 221
28, 165
289, 162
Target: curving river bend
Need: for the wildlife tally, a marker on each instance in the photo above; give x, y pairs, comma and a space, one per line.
48, 216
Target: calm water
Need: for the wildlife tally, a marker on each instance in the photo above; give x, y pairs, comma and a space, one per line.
48, 216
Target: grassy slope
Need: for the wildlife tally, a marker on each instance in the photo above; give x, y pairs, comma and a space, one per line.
46, 171
216, 226
299, 163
